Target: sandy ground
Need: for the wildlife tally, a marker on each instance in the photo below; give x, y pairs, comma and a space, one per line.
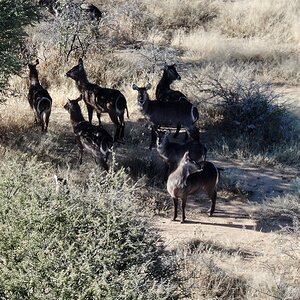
235, 220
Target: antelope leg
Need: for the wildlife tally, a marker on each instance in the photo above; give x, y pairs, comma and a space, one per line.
177, 131
175, 202
183, 209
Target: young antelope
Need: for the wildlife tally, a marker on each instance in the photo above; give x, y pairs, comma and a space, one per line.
188, 179
95, 139
38, 98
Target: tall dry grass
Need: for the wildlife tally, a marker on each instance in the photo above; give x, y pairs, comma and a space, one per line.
135, 38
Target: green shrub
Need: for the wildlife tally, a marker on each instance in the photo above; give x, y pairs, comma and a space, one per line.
90, 243
15, 15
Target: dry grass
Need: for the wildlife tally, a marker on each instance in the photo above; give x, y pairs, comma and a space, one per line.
210, 269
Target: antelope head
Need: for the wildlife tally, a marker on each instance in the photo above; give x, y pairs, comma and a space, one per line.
142, 93
30, 66
77, 71
171, 72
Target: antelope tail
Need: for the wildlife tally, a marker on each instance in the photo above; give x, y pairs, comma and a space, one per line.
127, 112
43, 105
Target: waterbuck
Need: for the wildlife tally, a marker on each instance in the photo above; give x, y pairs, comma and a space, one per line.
172, 152
103, 100
94, 139
93, 12
38, 98
55, 7
167, 114
188, 179
163, 90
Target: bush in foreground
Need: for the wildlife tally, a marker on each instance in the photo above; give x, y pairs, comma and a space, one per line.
89, 243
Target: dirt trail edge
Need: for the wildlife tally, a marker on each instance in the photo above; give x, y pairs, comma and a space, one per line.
234, 220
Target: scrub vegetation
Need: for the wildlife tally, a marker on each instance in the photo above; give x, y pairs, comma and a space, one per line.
96, 237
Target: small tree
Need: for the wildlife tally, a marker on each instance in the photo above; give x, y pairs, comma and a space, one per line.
15, 15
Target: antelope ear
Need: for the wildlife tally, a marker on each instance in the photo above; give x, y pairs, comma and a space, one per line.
186, 155
135, 87
69, 101
148, 86
79, 98
67, 105
37, 62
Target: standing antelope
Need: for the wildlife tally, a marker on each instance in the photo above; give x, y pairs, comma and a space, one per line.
163, 90
188, 179
167, 114
94, 139
103, 100
38, 98
172, 152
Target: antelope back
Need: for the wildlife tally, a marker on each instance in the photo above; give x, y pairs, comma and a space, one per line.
206, 179
171, 114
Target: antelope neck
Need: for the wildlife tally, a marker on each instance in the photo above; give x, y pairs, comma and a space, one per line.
165, 80
33, 77
76, 117
82, 82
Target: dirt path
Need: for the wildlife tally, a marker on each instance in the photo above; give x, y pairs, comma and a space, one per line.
234, 221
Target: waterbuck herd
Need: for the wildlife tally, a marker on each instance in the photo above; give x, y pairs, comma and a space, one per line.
186, 169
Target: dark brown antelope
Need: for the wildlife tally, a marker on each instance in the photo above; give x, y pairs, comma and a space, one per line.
172, 152
167, 114
93, 12
38, 98
103, 100
163, 90
188, 179
94, 139
57, 7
